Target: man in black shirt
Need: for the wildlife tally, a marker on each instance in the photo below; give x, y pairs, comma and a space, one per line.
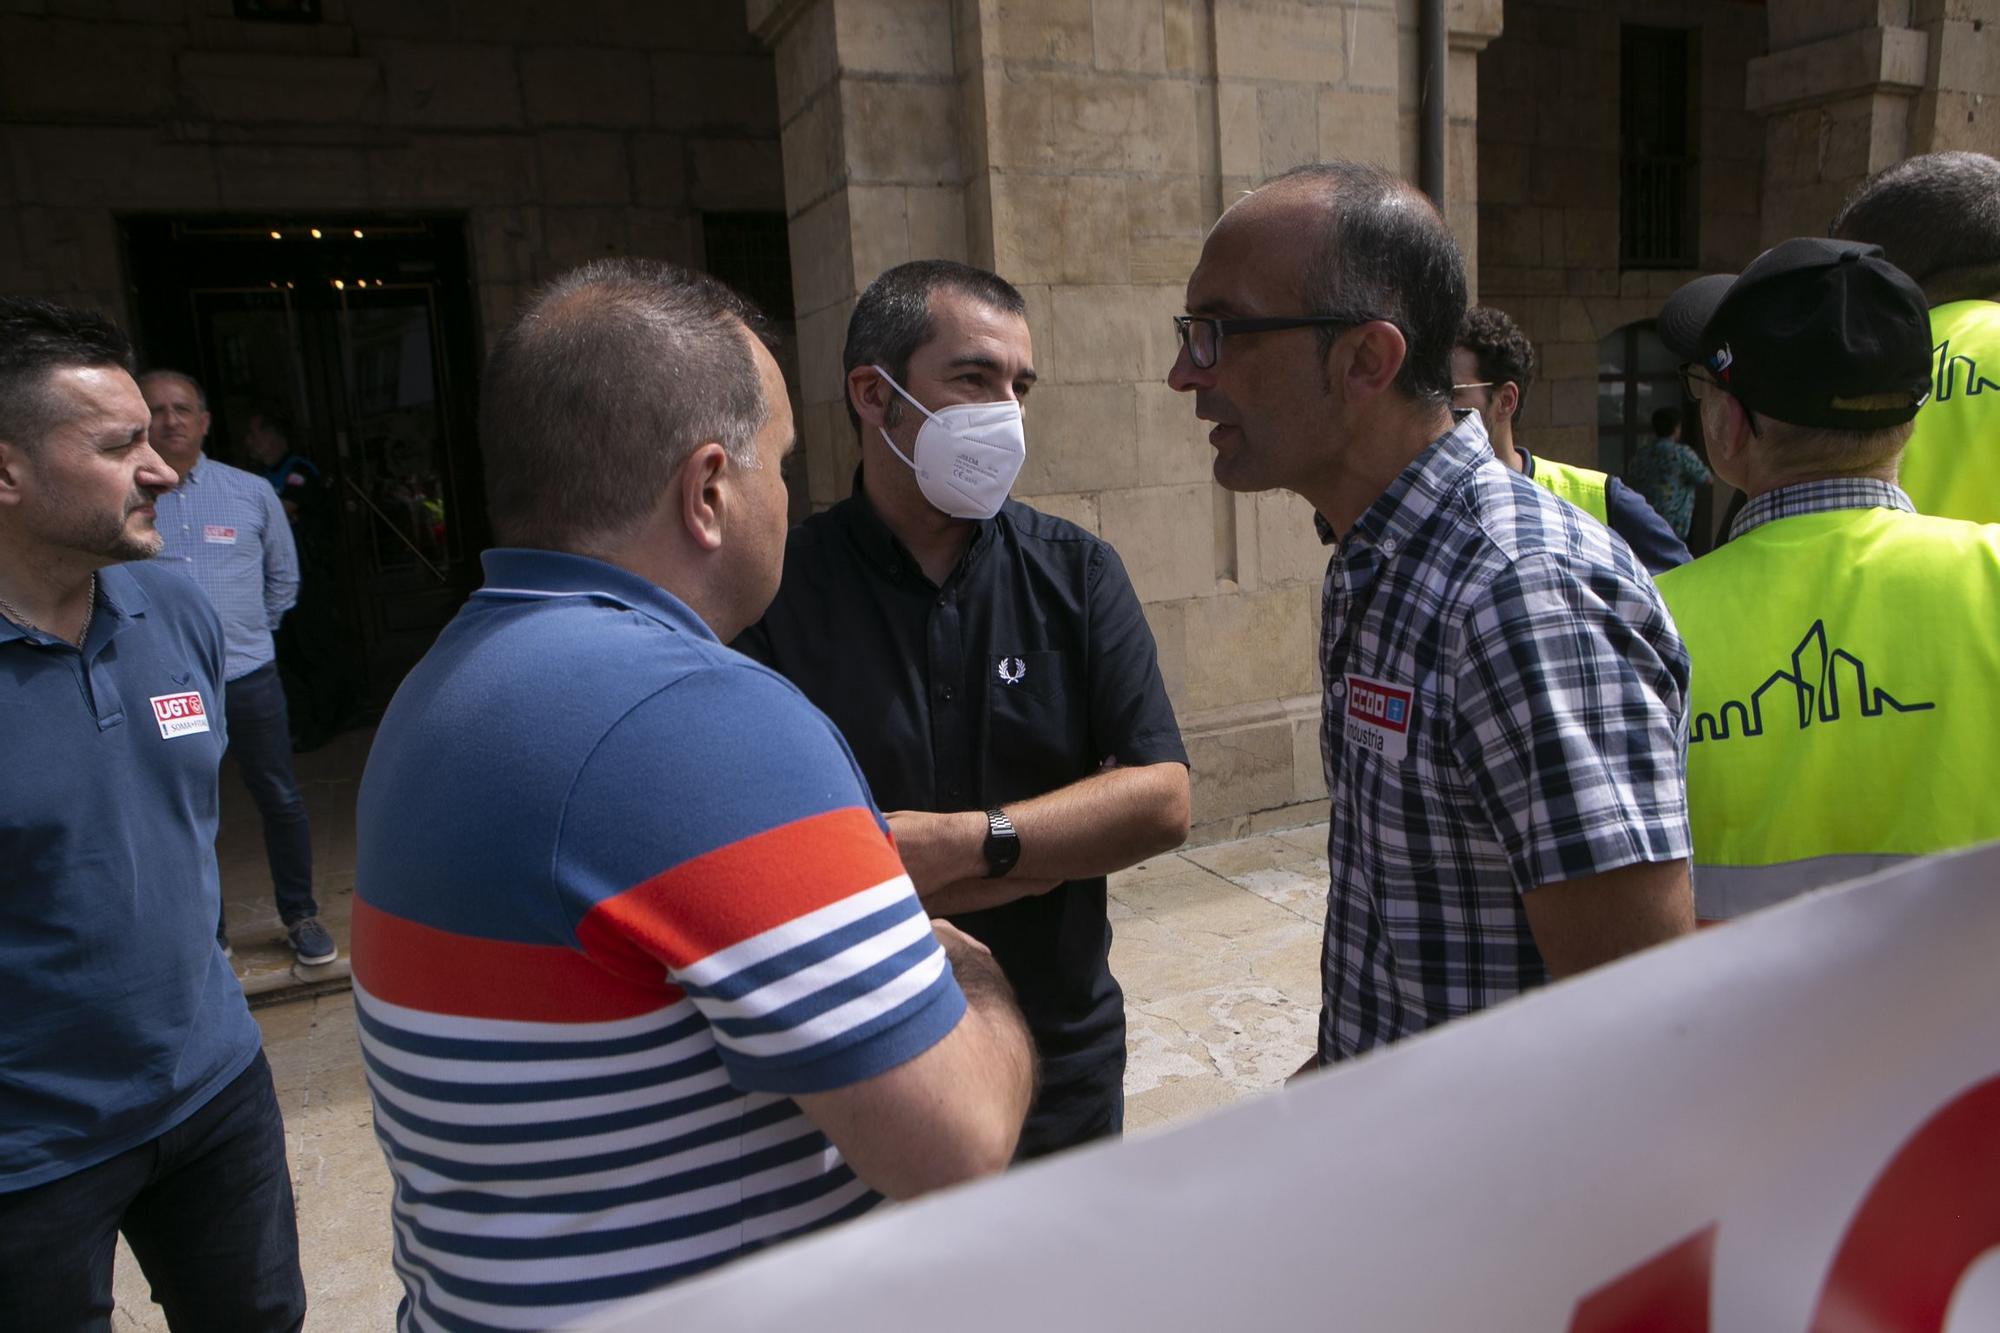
991, 669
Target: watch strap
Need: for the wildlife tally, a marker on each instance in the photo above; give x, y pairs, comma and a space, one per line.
1003, 844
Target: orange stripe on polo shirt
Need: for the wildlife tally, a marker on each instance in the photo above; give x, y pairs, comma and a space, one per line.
741, 890
440, 972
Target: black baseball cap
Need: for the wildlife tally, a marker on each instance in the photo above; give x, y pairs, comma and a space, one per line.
1814, 332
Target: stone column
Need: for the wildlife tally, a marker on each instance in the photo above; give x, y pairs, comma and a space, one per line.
1082, 148
1837, 90
1959, 106
868, 108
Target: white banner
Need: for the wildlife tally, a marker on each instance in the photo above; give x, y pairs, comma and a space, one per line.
1791, 1123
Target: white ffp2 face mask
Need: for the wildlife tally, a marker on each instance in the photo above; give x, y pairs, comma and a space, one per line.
967, 455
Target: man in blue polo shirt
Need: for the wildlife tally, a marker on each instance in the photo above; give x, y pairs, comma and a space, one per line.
224, 528
134, 1095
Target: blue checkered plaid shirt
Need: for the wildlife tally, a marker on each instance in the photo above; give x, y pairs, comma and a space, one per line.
1505, 703
1816, 497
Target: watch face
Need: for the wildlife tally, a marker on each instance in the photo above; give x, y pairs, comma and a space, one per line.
1003, 846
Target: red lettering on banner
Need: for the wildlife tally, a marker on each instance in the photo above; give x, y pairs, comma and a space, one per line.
1666, 1294
1931, 1214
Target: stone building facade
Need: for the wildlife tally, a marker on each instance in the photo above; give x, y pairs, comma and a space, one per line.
1792, 104
1551, 177
1079, 147
561, 131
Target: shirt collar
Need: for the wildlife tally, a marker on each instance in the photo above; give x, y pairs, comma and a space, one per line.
1414, 497
194, 474
521, 574
120, 600
883, 549
1817, 497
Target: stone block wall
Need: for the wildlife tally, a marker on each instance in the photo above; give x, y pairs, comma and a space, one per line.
563, 132
1549, 181
1959, 105
1853, 86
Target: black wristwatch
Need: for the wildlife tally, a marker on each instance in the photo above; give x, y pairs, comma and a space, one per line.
1003, 844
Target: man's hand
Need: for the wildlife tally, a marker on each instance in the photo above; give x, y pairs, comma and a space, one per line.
955, 941
939, 849
955, 1111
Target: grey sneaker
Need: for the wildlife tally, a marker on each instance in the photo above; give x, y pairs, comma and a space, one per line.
311, 942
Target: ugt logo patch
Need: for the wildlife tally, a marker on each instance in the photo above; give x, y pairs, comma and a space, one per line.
218, 533
179, 714
1378, 717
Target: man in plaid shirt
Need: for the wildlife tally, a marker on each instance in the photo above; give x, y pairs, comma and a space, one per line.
1505, 695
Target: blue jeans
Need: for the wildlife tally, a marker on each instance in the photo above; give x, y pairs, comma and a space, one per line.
206, 1208
260, 737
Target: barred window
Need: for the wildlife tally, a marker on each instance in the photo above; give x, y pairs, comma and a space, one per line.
1658, 120
752, 252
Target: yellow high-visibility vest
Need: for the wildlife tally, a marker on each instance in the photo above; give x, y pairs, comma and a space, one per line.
1845, 707
1951, 466
1578, 485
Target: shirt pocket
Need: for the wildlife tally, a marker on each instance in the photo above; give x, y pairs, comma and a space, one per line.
1034, 718
1037, 676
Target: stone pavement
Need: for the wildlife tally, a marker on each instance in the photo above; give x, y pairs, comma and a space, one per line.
1217, 948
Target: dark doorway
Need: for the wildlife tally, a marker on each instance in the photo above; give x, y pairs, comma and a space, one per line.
359, 330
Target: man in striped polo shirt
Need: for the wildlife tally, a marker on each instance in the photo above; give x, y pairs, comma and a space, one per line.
642, 984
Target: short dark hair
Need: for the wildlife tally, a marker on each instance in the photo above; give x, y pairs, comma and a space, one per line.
611, 377
1502, 352
1385, 249
36, 338
893, 317
1666, 420
167, 373
1936, 217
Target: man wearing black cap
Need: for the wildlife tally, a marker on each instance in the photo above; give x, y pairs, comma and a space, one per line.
1846, 677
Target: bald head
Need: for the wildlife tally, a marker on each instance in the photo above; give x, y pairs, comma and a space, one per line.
1363, 242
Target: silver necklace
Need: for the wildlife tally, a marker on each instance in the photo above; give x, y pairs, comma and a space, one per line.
89, 610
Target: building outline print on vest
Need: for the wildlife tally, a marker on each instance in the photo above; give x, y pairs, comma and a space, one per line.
1944, 374
1820, 696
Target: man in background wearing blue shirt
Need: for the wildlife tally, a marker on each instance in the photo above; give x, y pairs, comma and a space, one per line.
134, 1095
225, 529
1492, 367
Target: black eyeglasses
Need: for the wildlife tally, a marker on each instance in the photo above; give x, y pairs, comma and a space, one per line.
1696, 383
1201, 335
